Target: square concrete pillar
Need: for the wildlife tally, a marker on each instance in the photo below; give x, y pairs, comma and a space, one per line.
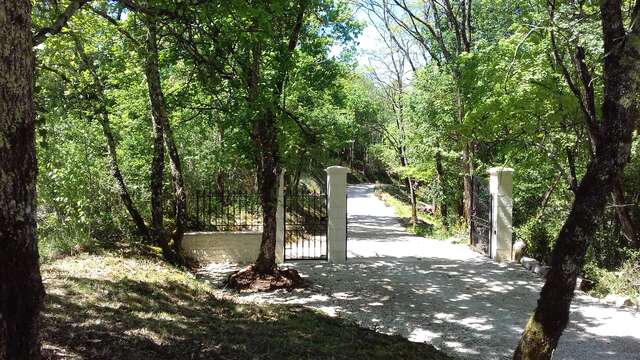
337, 213
280, 220
501, 188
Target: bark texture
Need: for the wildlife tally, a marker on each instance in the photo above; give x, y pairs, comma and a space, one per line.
179, 194
21, 289
269, 170
621, 77
164, 132
157, 232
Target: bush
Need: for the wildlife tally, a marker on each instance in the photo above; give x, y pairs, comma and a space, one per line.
63, 241
537, 239
625, 281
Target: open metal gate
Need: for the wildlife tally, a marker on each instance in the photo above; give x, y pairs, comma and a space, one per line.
305, 226
480, 219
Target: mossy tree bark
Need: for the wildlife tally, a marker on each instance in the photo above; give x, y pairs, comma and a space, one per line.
621, 76
157, 232
163, 132
21, 289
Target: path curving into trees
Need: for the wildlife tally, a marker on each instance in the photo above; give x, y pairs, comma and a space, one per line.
445, 294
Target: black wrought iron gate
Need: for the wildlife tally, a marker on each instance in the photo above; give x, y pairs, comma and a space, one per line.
305, 226
480, 219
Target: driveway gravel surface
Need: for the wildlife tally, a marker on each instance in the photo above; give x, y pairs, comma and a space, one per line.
442, 293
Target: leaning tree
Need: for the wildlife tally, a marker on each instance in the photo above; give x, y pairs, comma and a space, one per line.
620, 108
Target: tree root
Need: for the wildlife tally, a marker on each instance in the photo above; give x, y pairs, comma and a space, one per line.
248, 279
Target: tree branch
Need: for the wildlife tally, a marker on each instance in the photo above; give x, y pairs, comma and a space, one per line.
41, 35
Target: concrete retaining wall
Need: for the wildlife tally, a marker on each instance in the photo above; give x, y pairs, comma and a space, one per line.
237, 247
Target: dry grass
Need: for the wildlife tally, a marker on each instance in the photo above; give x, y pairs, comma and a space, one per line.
110, 307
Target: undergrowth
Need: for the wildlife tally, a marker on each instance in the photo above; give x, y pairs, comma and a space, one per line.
624, 281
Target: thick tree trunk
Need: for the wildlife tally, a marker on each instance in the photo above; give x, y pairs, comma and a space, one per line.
103, 118
269, 170
179, 194
157, 232
21, 289
620, 111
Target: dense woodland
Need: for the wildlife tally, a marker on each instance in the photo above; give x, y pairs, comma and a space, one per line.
137, 105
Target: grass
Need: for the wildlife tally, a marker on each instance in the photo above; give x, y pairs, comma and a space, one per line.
427, 226
113, 307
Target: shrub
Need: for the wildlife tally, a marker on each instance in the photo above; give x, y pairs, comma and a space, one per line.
624, 281
537, 239
65, 240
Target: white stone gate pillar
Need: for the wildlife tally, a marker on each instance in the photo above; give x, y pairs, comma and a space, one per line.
280, 220
501, 188
337, 213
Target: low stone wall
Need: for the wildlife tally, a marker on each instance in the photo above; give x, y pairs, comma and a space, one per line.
236, 247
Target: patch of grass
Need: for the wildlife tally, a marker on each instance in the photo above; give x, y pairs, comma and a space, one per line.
69, 240
427, 226
110, 307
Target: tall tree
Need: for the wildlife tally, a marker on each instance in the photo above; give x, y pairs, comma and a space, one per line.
582, 86
158, 116
444, 30
394, 63
163, 133
21, 289
265, 130
620, 108
102, 113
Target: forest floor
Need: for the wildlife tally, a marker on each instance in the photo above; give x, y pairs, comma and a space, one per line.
442, 293
112, 306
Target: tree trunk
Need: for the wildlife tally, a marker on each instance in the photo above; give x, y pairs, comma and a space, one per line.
620, 111
21, 289
467, 154
414, 201
179, 194
265, 134
410, 187
440, 176
156, 100
220, 187
123, 190
269, 170
467, 167
103, 118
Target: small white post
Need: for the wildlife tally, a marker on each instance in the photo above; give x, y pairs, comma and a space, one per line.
280, 220
337, 213
501, 188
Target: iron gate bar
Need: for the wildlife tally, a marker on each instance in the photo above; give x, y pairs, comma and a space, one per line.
305, 226
224, 211
481, 215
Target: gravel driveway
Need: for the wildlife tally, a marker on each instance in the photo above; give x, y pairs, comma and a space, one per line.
442, 293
